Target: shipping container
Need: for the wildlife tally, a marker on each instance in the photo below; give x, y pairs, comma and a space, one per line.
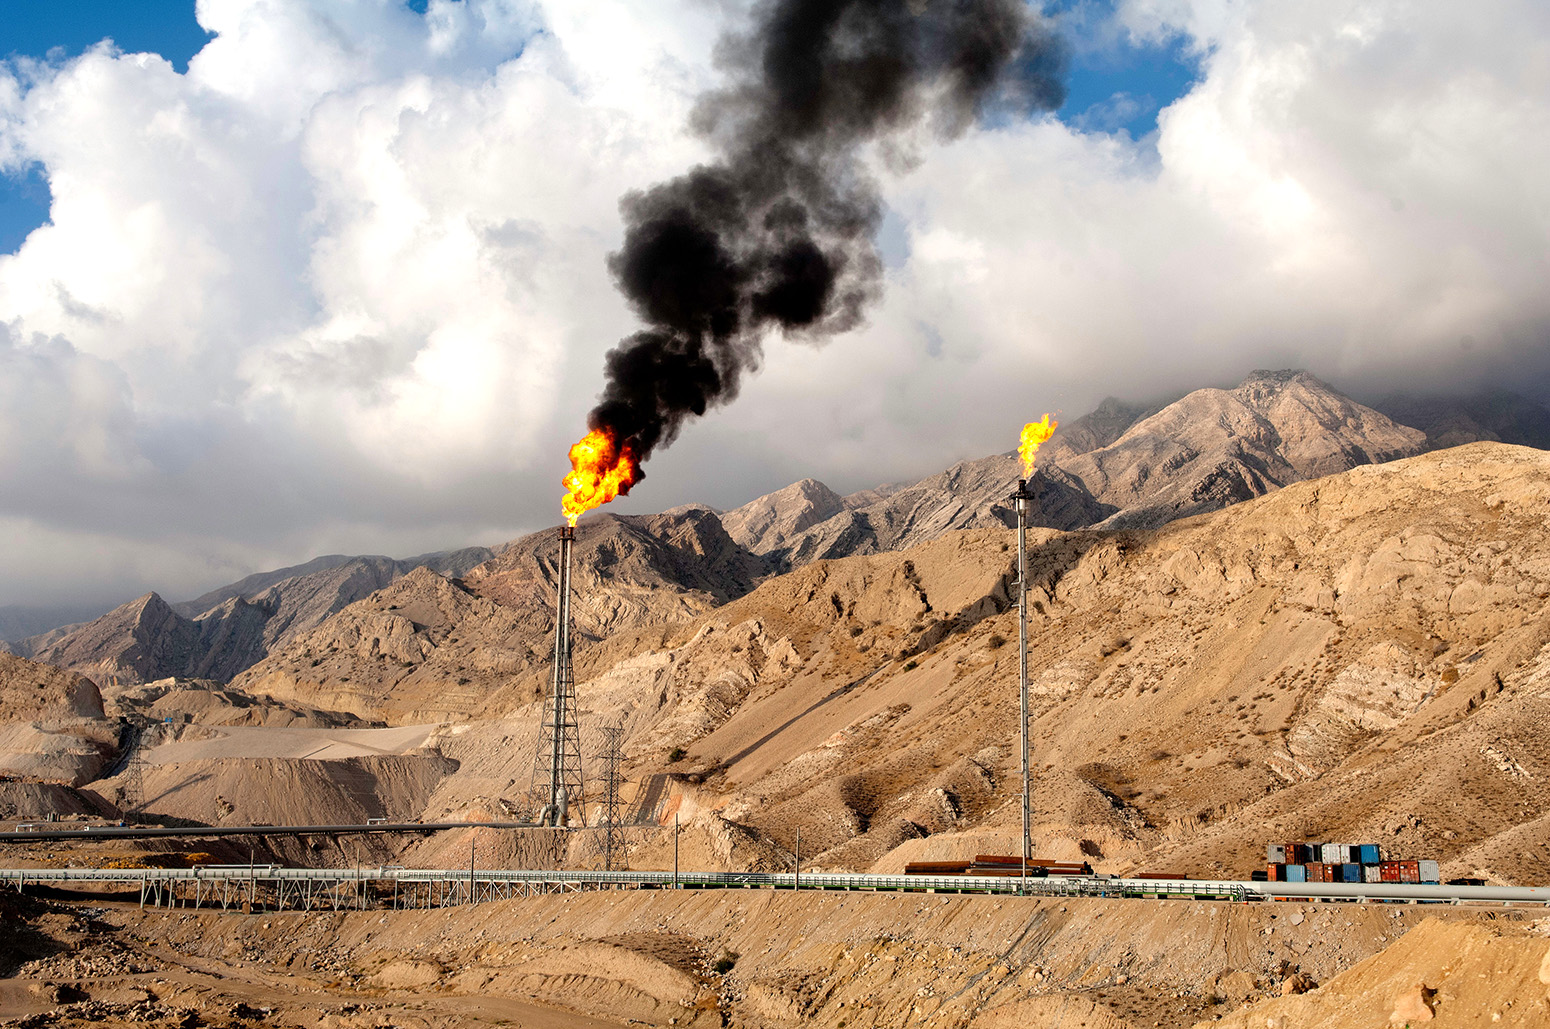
1429, 872
1390, 872
1296, 873
1275, 853
1350, 873
1320, 872
1275, 872
1329, 854
1372, 873
1368, 854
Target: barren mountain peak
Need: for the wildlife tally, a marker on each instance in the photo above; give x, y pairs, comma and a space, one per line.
769, 522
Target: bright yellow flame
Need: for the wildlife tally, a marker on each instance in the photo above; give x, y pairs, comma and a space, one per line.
600, 471
1034, 434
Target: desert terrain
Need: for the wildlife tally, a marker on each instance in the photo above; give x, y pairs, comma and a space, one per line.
1256, 615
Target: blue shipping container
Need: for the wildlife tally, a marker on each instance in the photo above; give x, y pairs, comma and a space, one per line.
1351, 873
1296, 874
1368, 854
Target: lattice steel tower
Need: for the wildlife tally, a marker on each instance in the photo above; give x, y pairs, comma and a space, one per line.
615, 855
131, 797
557, 782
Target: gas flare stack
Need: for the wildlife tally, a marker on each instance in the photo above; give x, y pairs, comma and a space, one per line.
557, 782
1034, 435
1020, 500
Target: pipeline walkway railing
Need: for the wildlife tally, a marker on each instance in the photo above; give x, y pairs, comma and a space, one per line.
270, 887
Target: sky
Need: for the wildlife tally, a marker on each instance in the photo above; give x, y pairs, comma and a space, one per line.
288, 277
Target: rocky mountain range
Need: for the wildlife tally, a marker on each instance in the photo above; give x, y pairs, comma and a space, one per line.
220, 634
1267, 628
1360, 656
1120, 466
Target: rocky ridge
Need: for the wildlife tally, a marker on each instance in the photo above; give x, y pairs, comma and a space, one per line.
52, 724
225, 631
1120, 465
427, 647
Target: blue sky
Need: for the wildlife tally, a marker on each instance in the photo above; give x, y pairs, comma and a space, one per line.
1115, 85
63, 29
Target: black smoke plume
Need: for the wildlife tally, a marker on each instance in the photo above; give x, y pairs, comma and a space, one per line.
779, 232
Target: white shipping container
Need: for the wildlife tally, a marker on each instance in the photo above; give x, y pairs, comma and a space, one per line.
1275, 853
1372, 873
1430, 873
1331, 854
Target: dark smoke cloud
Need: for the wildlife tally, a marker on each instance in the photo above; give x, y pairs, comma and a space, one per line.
779, 232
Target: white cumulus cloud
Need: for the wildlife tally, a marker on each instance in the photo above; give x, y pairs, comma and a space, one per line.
342, 285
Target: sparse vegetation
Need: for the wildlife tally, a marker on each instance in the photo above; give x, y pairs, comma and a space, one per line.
677, 754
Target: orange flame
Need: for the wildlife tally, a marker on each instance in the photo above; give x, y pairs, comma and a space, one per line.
1034, 434
600, 470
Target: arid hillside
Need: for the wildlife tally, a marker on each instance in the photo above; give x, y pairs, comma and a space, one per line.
429, 648
1364, 656
736, 959
52, 726
1359, 657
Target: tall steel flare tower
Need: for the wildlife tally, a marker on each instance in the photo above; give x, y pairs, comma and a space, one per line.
557, 782
1021, 500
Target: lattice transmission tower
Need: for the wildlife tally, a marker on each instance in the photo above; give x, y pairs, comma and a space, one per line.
131, 796
615, 853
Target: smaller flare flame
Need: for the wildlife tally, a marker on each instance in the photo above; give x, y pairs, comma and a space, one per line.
601, 470
1034, 434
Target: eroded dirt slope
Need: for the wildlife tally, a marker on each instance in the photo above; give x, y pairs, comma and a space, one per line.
1358, 657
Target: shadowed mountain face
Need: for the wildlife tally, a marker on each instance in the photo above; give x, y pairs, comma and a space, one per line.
1493, 416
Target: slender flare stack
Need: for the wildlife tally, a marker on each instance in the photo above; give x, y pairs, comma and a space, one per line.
557, 780
602, 468
1034, 434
